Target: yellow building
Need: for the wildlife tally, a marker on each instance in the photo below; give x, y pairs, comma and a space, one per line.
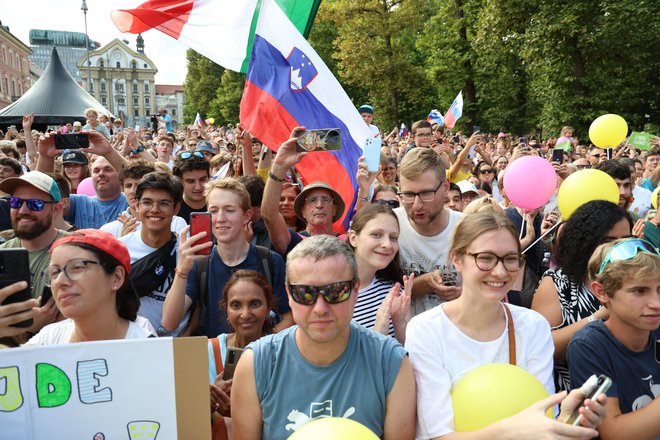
123, 80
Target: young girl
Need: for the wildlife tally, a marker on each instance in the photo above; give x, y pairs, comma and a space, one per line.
248, 299
374, 237
449, 341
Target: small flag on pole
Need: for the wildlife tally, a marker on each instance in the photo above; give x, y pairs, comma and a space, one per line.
404, 131
455, 111
199, 121
435, 117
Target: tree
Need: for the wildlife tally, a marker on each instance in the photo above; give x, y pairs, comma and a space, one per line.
227, 102
202, 81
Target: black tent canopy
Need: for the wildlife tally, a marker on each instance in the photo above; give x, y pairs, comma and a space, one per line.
56, 98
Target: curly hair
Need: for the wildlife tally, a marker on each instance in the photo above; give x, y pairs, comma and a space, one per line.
582, 233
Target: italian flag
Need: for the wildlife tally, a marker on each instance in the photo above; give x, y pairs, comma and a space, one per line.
221, 30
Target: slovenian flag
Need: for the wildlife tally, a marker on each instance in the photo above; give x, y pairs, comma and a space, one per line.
221, 30
455, 111
435, 117
289, 85
199, 121
403, 132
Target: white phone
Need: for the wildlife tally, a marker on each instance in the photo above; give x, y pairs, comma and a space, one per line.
371, 152
594, 388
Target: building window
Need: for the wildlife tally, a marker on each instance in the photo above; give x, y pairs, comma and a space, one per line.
6, 86
102, 85
118, 65
101, 63
121, 101
133, 64
173, 112
13, 87
20, 89
146, 102
4, 55
135, 101
136, 112
146, 87
11, 58
145, 65
18, 62
119, 87
104, 100
135, 88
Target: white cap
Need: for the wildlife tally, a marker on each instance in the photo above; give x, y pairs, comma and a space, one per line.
467, 187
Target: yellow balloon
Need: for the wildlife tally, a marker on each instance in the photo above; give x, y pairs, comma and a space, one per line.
654, 197
211, 121
332, 428
584, 186
494, 392
608, 131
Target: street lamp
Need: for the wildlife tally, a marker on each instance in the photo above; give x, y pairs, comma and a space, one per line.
89, 70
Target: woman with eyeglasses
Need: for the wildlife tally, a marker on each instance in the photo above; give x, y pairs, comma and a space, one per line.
448, 341
563, 296
89, 277
382, 304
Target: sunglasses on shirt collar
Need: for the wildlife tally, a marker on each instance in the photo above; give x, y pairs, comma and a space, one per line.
334, 293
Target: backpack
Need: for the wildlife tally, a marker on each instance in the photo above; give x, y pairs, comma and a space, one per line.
196, 327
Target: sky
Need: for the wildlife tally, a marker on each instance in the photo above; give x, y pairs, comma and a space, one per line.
65, 15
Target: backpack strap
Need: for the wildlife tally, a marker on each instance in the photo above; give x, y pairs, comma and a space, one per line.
265, 263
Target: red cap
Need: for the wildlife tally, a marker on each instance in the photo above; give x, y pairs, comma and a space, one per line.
102, 241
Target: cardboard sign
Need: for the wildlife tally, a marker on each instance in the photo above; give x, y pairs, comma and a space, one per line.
144, 389
641, 141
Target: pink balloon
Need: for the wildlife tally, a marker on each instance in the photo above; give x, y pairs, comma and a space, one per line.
530, 182
86, 187
562, 139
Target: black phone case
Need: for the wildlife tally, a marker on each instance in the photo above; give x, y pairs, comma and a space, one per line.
14, 267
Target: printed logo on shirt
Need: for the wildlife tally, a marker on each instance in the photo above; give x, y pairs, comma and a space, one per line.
317, 410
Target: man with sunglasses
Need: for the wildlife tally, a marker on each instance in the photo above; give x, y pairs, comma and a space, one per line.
194, 171
625, 277
426, 228
326, 366
35, 201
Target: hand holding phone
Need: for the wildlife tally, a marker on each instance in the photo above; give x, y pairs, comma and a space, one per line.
558, 155
71, 141
592, 389
15, 267
233, 355
201, 222
325, 139
371, 154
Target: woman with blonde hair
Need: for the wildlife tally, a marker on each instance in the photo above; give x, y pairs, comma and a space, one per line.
93, 122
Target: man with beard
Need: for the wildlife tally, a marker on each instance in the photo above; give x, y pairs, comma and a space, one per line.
87, 212
35, 201
426, 228
622, 176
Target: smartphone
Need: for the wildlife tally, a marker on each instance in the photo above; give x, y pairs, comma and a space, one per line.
371, 153
558, 155
14, 267
475, 128
325, 139
603, 384
46, 295
201, 221
71, 141
233, 355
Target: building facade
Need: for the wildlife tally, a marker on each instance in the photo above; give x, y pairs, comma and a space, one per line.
171, 98
123, 80
14, 67
71, 47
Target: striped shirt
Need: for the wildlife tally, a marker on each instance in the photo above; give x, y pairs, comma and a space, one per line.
369, 299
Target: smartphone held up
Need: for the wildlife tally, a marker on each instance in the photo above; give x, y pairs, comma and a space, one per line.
325, 139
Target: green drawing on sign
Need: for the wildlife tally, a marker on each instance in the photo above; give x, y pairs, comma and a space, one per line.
53, 386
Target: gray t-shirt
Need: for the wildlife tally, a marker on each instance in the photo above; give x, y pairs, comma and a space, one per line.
293, 391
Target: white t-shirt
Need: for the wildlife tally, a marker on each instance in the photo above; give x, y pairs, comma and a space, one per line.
60, 332
421, 254
114, 227
151, 304
441, 354
642, 202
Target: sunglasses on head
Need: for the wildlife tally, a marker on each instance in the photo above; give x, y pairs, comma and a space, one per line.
187, 154
334, 293
32, 204
626, 250
137, 150
390, 203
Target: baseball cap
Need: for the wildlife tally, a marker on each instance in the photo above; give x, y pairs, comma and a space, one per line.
35, 179
467, 187
300, 200
101, 240
205, 146
366, 109
73, 156
501, 135
77, 124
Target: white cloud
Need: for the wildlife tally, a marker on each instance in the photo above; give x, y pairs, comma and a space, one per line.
65, 15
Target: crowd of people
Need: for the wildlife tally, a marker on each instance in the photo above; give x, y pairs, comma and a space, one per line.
437, 275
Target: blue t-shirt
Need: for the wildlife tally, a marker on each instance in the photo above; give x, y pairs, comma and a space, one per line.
635, 375
293, 391
218, 275
168, 122
90, 212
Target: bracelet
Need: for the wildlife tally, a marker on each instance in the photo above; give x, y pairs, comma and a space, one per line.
364, 199
183, 276
592, 318
275, 178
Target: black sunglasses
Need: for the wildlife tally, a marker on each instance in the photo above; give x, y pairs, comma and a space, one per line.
32, 204
334, 293
390, 203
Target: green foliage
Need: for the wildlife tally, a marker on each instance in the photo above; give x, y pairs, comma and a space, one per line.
202, 81
225, 108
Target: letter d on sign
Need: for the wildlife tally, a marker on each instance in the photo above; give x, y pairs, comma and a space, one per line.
53, 386
10, 389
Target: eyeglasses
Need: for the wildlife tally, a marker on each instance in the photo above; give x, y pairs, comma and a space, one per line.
314, 200
390, 203
32, 204
626, 250
424, 196
163, 205
486, 171
187, 154
74, 270
137, 150
487, 261
334, 293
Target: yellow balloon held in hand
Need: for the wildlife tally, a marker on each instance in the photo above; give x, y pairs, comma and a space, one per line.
332, 428
585, 186
654, 197
494, 392
608, 131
